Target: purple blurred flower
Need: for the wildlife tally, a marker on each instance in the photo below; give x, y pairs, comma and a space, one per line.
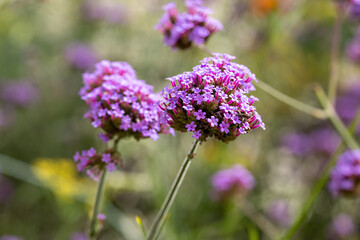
342, 226
278, 211
182, 29
348, 103
325, 140
111, 12
355, 9
345, 175
80, 56
121, 104
233, 180
298, 143
223, 87
6, 189
19, 93
10, 237
79, 236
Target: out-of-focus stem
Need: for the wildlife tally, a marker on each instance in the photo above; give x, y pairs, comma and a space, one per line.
156, 227
335, 49
334, 118
97, 204
320, 184
318, 113
263, 223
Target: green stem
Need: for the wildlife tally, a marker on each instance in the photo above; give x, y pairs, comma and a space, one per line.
320, 184
335, 49
156, 227
97, 205
318, 113
262, 222
334, 118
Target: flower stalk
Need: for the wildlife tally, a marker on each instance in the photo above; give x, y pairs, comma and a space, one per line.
318, 113
97, 204
335, 49
157, 225
334, 118
320, 184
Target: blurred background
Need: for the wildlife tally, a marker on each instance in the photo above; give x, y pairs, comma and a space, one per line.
46, 45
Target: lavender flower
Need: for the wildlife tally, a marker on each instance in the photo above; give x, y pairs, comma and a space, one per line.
278, 211
345, 176
355, 9
10, 237
233, 180
94, 163
79, 236
342, 226
80, 56
20, 94
298, 143
110, 12
224, 112
182, 29
121, 104
353, 48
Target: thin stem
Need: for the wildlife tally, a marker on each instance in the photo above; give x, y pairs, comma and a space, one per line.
334, 118
335, 49
262, 222
205, 50
97, 205
156, 227
320, 184
318, 113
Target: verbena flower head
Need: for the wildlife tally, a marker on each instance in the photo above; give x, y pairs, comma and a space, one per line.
230, 181
181, 30
93, 163
345, 176
212, 101
121, 104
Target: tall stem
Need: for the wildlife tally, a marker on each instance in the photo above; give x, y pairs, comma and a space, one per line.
262, 222
156, 227
318, 113
97, 205
292, 102
334, 118
335, 49
320, 184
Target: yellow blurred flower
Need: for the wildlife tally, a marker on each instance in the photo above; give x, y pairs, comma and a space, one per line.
61, 176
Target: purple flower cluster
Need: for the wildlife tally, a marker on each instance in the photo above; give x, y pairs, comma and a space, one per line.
211, 100
320, 141
121, 104
94, 163
20, 94
79, 236
182, 29
231, 181
345, 176
355, 9
80, 56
